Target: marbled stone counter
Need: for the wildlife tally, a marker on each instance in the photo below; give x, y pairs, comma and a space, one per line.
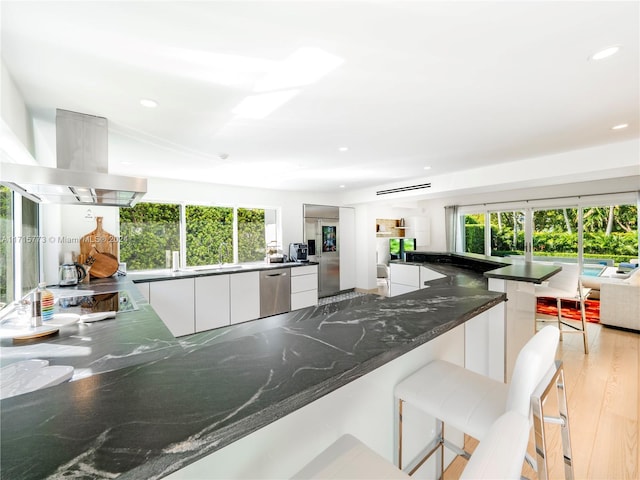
490, 267
154, 417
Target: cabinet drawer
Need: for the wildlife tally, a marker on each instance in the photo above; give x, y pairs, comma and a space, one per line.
304, 299
303, 283
306, 270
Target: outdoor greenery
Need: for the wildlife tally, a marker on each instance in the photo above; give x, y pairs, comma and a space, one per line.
209, 235
150, 230
251, 235
147, 232
609, 233
6, 246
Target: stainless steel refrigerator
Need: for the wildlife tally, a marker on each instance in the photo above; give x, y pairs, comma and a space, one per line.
322, 235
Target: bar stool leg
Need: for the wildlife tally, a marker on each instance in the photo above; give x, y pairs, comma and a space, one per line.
539, 438
539, 419
564, 429
440, 458
400, 402
583, 316
559, 307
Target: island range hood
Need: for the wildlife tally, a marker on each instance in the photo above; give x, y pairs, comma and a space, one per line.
82, 176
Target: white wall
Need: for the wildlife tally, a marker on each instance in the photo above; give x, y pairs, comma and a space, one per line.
13, 109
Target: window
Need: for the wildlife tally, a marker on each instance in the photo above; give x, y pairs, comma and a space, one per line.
149, 232
507, 233
30, 246
473, 230
590, 229
610, 233
555, 233
20, 245
252, 240
209, 235
6, 245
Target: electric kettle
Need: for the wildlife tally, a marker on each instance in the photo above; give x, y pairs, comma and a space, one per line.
71, 274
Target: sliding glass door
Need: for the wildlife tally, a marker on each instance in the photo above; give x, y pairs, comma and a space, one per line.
555, 234
507, 233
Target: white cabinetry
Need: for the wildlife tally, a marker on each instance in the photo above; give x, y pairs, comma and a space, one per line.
405, 278
304, 286
212, 302
143, 288
245, 296
174, 302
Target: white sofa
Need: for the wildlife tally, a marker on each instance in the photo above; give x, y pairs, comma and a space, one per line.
620, 300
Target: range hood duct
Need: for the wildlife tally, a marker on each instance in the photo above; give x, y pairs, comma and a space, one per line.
82, 176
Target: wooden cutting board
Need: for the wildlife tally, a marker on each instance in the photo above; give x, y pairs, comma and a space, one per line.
105, 243
104, 264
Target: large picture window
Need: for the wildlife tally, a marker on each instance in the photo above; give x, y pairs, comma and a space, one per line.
595, 229
252, 241
151, 232
209, 235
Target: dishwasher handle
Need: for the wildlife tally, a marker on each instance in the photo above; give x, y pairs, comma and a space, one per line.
283, 274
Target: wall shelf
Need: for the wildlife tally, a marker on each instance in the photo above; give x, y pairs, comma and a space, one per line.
389, 228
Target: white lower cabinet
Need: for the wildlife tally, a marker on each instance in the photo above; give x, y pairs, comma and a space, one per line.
304, 286
245, 296
143, 288
405, 278
212, 309
174, 302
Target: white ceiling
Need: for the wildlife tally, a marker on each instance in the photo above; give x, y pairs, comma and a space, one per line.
450, 85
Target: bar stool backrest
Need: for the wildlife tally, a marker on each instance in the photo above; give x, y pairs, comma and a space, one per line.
566, 279
533, 362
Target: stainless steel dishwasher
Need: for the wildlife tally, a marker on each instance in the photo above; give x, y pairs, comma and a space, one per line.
275, 291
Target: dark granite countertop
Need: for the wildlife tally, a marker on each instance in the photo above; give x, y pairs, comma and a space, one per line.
490, 267
182, 399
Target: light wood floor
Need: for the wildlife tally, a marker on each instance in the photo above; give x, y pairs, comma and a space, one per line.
604, 408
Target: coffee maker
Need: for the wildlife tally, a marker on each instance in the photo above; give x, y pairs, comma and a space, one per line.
298, 252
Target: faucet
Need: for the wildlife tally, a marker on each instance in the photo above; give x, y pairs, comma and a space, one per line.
220, 252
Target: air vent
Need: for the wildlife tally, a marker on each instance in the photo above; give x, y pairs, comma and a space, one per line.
403, 189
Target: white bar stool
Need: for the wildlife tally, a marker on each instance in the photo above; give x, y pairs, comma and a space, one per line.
566, 285
349, 458
499, 455
471, 402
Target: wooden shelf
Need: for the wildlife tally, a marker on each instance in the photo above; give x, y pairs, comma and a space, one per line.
386, 227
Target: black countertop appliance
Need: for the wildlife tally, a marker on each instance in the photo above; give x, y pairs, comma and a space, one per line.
298, 252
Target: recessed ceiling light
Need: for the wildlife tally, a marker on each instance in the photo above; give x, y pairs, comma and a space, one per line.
147, 102
620, 126
427, 168
606, 52
343, 149
342, 186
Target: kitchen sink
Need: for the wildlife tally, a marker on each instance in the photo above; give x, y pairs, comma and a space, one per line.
219, 268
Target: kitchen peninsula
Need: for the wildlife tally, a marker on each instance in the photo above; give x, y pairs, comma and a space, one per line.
161, 403
514, 277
